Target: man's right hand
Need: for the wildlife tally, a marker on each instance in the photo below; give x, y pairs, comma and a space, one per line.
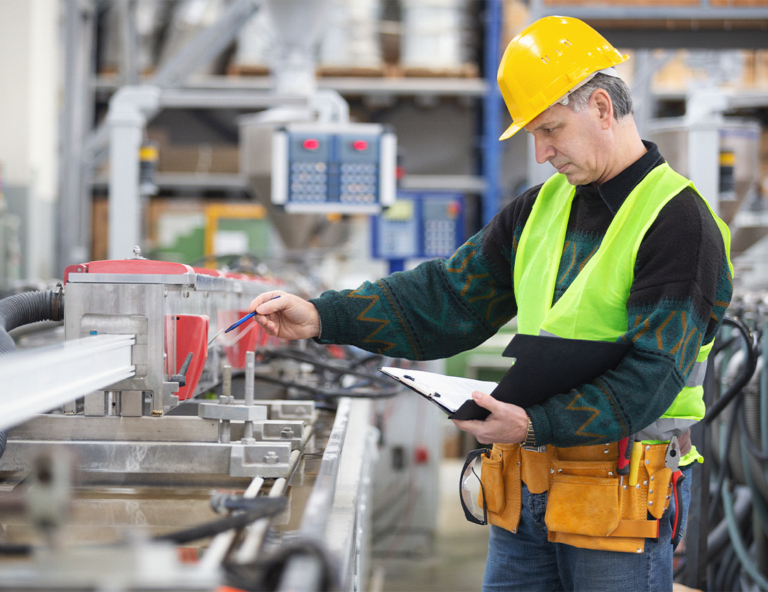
286, 316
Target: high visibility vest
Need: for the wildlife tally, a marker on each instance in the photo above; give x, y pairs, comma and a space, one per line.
595, 305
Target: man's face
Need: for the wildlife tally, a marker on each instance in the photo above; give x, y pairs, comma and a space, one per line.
571, 142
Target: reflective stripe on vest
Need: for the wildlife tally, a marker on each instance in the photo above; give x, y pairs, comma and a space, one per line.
594, 305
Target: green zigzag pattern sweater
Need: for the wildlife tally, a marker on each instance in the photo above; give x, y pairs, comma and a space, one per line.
681, 291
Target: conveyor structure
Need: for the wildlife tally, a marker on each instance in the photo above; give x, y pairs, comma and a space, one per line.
127, 437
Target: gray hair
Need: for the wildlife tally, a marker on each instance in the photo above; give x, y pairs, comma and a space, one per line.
614, 86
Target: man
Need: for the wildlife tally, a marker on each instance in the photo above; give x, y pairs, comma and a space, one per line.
614, 247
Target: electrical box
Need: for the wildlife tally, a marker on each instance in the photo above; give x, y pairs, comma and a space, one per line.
333, 168
419, 226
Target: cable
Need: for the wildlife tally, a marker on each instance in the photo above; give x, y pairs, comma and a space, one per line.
7, 549
724, 464
301, 357
265, 573
749, 369
267, 506
753, 449
738, 542
329, 393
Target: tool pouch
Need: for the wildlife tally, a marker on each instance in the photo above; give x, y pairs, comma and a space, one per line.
583, 498
502, 486
586, 507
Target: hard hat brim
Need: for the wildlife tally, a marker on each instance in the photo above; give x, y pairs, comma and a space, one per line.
512, 130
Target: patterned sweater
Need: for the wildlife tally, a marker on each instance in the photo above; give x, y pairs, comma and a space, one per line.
681, 290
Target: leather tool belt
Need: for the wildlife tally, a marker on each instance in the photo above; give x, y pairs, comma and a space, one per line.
586, 505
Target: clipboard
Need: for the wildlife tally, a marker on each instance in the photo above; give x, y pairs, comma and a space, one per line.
543, 367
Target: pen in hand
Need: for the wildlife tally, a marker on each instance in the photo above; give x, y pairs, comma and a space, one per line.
235, 325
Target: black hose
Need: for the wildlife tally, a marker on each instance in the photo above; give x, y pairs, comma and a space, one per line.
267, 506
23, 309
724, 466
323, 393
753, 449
338, 370
750, 366
729, 580
722, 569
267, 572
7, 549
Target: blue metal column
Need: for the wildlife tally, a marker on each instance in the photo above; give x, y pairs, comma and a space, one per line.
492, 105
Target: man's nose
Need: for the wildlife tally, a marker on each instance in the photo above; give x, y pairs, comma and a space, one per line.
544, 151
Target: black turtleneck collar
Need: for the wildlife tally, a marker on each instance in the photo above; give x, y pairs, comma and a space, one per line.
614, 191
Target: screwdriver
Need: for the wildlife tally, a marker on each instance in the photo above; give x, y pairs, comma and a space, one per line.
634, 462
625, 451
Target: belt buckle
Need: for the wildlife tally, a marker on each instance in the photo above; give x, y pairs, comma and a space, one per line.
534, 448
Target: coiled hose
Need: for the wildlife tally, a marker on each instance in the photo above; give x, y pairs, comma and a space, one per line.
23, 309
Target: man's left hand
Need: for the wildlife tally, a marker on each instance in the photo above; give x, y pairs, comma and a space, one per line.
507, 424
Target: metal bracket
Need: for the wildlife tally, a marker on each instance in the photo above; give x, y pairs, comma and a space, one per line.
260, 460
232, 412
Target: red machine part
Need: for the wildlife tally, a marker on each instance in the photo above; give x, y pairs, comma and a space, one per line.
254, 337
191, 336
129, 266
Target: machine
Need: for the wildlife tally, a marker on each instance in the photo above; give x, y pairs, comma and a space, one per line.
153, 420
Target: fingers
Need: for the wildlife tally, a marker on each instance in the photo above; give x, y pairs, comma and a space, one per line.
269, 302
474, 427
485, 401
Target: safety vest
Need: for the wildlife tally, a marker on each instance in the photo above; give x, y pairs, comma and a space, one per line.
595, 305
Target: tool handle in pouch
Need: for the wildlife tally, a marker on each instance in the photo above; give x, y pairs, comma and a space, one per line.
677, 483
634, 462
626, 446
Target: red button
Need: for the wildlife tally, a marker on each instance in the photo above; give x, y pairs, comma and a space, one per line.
311, 144
421, 455
360, 145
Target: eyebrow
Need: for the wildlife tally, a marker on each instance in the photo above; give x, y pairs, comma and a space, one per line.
545, 124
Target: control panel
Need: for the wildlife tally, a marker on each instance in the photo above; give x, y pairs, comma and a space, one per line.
419, 226
323, 168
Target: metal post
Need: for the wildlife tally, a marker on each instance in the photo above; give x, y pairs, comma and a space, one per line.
208, 44
704, 109
74, 227
226, 397
129, 70
250, 369
128, 112
492, 104
697, 527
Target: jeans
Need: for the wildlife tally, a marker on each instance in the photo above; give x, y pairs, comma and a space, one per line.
528, 562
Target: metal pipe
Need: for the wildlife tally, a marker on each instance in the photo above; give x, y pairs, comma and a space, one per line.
226, 396
222, 542
255, 533
74, 225
250, 369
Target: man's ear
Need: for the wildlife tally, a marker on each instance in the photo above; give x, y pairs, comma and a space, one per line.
602, 105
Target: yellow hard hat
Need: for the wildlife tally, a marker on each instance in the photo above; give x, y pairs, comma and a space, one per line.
545, 61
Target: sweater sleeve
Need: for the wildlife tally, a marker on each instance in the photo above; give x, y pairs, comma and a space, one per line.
680, 293
440, 308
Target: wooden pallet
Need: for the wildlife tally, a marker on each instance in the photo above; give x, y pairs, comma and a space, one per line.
247, 70
468, 70
352, 71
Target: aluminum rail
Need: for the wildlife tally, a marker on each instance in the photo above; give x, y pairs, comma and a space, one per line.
336, 512
38, 380
305, 573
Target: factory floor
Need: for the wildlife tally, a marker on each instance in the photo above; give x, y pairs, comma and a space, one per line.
460, 549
